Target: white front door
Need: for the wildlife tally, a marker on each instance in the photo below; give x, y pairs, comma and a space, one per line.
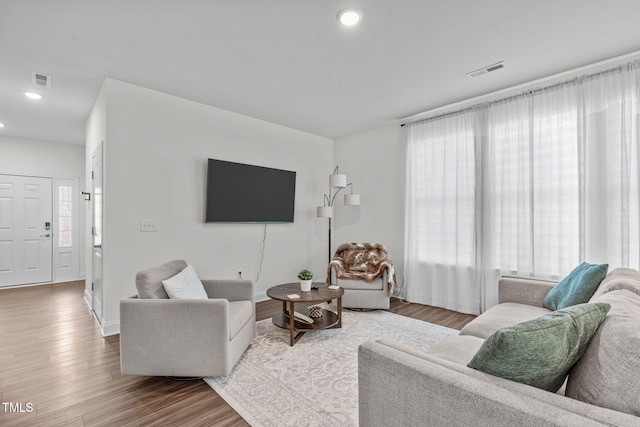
25, 230
96, 231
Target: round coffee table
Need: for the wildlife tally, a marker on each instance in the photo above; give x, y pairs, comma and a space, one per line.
297, 328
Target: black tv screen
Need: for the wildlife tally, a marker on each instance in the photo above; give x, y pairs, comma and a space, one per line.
238, 192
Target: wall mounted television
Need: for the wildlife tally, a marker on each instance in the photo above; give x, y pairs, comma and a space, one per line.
238, 192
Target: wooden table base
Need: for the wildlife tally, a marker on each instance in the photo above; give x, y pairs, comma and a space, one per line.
297, 328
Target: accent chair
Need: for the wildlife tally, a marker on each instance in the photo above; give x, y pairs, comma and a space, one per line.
365, 272
160, 336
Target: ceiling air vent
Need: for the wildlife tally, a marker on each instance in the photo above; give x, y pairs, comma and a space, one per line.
40, 79
487, 69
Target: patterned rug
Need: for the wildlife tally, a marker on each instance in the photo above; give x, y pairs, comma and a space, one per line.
315, 382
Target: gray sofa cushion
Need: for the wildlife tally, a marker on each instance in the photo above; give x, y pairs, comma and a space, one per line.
620, 278
523, 290
149, 282
501, 316
607, 374
459, 349
376, 284
541, 352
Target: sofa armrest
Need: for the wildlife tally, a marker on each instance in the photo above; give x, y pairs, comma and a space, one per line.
231, 290
402, 386
523, 290
172, 336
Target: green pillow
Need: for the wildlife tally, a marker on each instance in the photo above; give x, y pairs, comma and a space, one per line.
541, 352
577, 288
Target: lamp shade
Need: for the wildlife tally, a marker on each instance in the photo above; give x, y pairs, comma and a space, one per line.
337, 181
352, 200
325, 212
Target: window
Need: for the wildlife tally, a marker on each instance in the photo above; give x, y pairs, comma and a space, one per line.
66, 229
65, 217
532, 191
530, 185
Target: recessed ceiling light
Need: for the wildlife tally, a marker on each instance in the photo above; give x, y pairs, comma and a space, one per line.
32, 95
349, 16
1, 125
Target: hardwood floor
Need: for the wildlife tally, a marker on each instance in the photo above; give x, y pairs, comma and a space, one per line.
57, 369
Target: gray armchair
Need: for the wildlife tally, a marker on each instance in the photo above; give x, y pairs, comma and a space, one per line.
365, 272
361, 294
185, 337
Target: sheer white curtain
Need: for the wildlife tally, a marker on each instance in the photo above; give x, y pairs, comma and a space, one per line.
611, 105
531, 191
531, 185
441, 222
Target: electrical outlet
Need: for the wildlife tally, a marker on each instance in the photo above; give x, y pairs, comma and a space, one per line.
148, 225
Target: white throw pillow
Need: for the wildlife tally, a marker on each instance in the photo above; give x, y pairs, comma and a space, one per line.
185, 285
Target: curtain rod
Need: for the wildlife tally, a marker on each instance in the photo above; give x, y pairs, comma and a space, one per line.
628, 65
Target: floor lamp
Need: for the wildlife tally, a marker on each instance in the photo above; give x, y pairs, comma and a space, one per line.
337, 182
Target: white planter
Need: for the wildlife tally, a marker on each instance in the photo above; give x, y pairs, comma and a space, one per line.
305, 285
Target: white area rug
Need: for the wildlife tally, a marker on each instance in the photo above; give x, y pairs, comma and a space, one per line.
315, 382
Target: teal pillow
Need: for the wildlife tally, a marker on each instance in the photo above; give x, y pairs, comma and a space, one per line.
541, 352
577, 288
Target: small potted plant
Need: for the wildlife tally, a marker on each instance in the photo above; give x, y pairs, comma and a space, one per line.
305, 277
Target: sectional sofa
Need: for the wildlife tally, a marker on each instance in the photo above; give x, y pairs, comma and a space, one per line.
399, 385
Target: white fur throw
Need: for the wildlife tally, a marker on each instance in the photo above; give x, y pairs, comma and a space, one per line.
362, 261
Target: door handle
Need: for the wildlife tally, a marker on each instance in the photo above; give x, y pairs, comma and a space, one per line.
45, 235
97, 246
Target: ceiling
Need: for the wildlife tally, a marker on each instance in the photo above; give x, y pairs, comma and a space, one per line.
289, 61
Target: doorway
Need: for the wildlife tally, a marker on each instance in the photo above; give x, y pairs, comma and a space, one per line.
26, 241
96, 232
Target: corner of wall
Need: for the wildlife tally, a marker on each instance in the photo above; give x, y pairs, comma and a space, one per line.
110, 328
374, 160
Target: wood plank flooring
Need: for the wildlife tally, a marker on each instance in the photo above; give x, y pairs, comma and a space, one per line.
56, 369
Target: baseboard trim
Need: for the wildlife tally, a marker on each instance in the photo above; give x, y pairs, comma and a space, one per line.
261, 296
87, 298
110, 328
27, 285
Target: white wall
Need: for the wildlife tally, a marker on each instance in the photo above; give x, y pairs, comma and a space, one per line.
374, 161
41, 158
155, 151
